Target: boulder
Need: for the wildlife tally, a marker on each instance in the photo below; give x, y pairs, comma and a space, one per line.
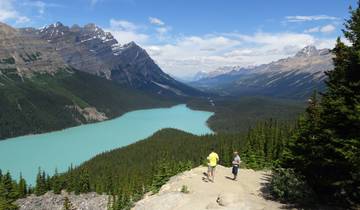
227, 199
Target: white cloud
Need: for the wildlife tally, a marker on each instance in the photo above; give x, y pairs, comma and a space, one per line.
324, 29
328, 28
39, 5
156, 21
127, 36
125, 31
162, 30
162, 33
300, 18
188, 55
123, 25
9, 13
312, 30
22, 20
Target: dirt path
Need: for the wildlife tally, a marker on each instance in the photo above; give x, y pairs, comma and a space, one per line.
224, 193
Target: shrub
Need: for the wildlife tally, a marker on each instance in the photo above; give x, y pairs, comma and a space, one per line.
185, 189
287, 186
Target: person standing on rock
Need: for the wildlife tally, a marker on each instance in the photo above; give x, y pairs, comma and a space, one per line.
213, 159
236, 164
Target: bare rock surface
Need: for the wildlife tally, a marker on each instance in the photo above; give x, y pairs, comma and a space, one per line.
91, 114
24, 54
224, 193
51, 201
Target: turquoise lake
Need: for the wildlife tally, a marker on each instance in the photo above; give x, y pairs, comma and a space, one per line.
75, 145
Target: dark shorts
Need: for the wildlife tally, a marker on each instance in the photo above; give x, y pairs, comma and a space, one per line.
235, 170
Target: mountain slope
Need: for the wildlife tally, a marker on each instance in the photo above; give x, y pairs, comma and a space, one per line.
51, 102
22, 54
94, 51
294, 77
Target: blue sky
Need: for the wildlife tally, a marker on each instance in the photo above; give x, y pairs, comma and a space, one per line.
186, 36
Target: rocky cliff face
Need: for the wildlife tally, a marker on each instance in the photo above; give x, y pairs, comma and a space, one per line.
22, 54
94, 51
294, 77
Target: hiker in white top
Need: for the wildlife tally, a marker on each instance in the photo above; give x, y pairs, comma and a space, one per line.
236, 164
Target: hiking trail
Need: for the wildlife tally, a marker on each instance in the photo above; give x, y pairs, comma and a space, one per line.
224, 193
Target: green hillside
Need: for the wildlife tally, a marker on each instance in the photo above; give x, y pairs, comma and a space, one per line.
46, 102
239, 114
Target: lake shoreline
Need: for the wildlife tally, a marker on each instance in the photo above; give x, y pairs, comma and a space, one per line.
93, 122
75, 145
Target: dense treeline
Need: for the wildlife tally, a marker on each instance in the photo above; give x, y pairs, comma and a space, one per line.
266, 143
127, 173
236, 115
11, 190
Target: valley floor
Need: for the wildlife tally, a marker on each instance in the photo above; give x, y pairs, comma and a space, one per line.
224, 193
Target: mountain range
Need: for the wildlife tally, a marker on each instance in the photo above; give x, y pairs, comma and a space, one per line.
294, 77
92, 50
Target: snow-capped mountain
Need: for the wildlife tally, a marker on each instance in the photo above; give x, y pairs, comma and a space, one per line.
92, 50
294, 77
219, 71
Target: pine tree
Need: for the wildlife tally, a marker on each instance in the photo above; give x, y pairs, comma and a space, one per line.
5, 203
22, 188
41, 186
306, 147
341, 112
8, 193
162, 175
56, 184
84, 182
326, 149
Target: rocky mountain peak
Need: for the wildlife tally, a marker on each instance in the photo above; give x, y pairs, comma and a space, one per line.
54, 30
91, 27
131, 44
75, 28
54, 25
308, 51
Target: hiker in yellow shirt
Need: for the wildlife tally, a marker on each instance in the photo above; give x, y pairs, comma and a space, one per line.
213, 159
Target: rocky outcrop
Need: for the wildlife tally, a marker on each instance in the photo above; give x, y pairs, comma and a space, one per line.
90, 114
224, 193
51, 201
